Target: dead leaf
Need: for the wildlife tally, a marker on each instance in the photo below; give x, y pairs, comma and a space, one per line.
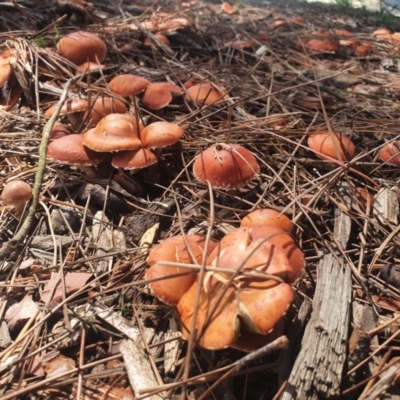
58, 365
21, 311
73, 282
341, 81
226, 7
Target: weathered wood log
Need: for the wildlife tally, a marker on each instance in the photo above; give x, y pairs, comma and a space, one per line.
317, 372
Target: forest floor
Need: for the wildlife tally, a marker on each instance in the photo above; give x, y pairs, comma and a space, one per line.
77, 317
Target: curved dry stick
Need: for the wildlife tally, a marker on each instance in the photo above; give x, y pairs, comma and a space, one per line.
11, 246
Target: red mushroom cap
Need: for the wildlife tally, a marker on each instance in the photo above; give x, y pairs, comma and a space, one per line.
170, 290
390, 153
79, 47
114, 132
134, 159
160, 134
70, 150
16, 192
160, 94
126, 85
267, 216
225, 166
331, 146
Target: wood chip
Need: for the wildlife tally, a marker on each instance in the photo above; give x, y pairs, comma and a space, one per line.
139, 369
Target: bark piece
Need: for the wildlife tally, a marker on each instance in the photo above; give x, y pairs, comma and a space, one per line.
5, 338
106, 239
138, 368
317, 372
386, 205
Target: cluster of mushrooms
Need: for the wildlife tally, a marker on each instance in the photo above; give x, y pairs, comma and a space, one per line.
111, 129
244, 294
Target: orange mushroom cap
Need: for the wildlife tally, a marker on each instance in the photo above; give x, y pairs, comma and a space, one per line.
59, 130
89, 66
70, 106
390, 153
207, 93
225, 166
241, 238
160, 134
70, 150
328, 146
16, 192
103, 106
5, 69
134, 159
323, 45
218, 329
79, 47
126, 85
114, 132
259, 255
260, 309
170, 290
160, 94
162, 38
285, 242
268, 216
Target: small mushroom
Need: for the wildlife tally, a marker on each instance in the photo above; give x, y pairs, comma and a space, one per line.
59, 130
207, 93
74, 109
328, 146
390, 153
162, 38
225, 166
16, 193
268, 216
127, 85
159, 94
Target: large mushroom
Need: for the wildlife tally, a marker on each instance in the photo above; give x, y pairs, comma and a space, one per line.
70, 150
153, 138
253, 303
168, 287
114, 132
80, 47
